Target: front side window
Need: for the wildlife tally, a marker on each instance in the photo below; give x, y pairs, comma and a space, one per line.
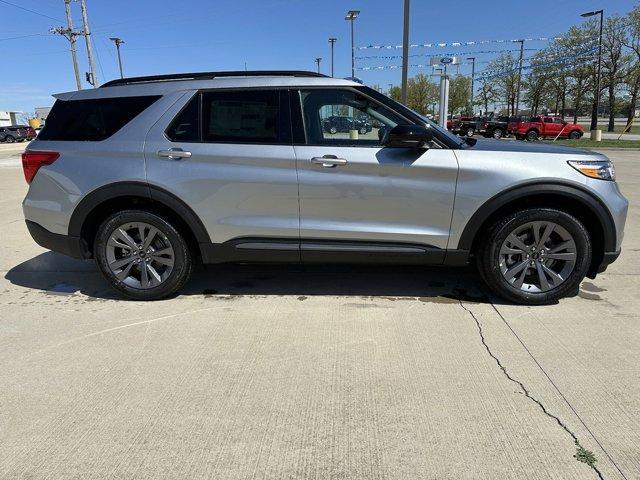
94, 119
249, 116
345, 117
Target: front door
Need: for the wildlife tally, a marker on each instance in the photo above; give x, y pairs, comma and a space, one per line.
360, 194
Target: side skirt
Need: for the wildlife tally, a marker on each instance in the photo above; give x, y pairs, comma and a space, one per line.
277, 250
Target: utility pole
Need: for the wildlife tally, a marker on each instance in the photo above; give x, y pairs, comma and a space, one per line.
87, 38
72, 36
519, 77
118, 42
318, 60
473, 74
332, 41
351, 16
405, 52
596, 98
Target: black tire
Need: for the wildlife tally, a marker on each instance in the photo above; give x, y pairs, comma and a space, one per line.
333, 130
490, 263
363, 130
470, 132
532, 136
182, 260
9, 139
497, 133
575, 135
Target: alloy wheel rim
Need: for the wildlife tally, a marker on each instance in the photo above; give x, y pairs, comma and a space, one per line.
140, 255
537, 256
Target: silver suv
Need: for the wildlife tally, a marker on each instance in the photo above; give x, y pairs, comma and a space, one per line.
151, 175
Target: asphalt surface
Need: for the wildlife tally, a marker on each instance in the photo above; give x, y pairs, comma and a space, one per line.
289, 372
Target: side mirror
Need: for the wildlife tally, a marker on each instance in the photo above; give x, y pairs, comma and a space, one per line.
409, 136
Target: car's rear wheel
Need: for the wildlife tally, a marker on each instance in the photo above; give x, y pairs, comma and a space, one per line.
470, 132
532, 136
142, 255
535, 256
363, 130
497, 133
333, 130
575, 135
9, 139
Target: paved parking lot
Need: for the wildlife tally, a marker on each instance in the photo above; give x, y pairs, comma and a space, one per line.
313, 372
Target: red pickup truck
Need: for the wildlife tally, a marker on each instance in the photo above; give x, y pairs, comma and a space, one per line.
546, 126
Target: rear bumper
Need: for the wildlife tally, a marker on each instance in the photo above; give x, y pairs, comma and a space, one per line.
65, 244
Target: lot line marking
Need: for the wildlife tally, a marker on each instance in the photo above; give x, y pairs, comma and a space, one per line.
566, 400
120, 327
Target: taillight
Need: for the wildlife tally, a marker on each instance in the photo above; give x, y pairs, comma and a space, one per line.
32, 161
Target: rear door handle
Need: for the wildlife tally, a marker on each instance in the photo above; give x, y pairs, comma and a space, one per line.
328, 161
174, 154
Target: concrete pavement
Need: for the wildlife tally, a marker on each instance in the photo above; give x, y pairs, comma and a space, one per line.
314, 372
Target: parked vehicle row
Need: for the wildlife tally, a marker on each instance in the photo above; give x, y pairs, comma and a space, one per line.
17, 133
335, 124
522, 128
152, 175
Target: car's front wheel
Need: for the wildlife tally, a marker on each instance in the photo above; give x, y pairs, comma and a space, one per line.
575, 135
535, 256
9, 139
470, 132
497, 133
532, 136
142, 255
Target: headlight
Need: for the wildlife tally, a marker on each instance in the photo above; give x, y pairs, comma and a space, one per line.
601, 169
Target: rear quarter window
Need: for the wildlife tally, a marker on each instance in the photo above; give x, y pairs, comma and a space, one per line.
94, 119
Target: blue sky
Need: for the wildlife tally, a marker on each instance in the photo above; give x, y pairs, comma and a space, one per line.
165, 36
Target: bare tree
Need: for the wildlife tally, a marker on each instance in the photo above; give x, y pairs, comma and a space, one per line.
613, 60
632, 77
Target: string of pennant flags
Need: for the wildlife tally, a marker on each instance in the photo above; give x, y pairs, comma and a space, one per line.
443, 54
458, 44
576, 58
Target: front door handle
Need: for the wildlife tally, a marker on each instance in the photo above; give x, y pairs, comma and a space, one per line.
174, 154
328, 161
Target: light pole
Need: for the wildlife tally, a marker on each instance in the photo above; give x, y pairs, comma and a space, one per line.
405, 51
332, 41
318, 60
351, 16
519, 77
596, 100
473, 74
118, 42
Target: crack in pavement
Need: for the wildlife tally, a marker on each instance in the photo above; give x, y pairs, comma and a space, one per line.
580, 449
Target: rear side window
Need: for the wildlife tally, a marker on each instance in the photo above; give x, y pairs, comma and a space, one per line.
186, 126
92, 120
249, 116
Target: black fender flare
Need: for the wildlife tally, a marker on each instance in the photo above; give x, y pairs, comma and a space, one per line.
136, 189
593, 204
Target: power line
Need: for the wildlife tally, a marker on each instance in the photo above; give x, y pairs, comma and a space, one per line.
30, 11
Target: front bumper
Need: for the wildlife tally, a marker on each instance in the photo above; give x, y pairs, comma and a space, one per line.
72, 246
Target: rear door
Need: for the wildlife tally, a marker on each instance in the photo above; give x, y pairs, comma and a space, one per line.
228, 155
354, 192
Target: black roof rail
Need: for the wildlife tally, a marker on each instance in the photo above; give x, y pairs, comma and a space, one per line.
210, 75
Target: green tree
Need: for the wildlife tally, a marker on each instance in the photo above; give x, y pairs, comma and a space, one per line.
460, 95
421, 92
